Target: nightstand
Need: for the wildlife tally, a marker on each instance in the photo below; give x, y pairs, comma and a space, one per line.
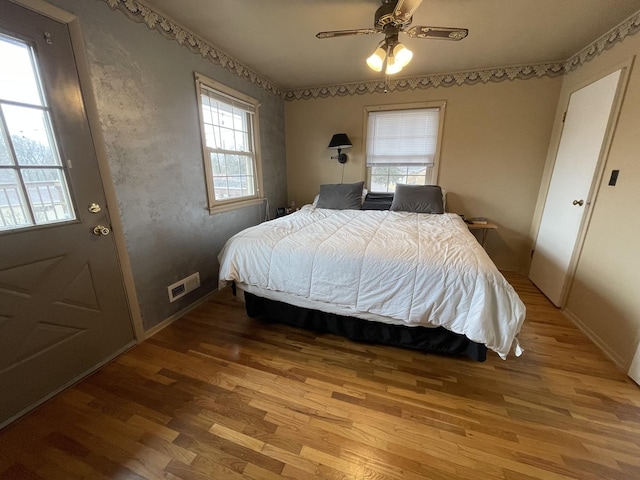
484, 228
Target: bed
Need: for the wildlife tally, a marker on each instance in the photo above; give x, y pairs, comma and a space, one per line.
414, 279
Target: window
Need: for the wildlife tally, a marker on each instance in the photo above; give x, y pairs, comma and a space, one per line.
229, 123
403, 144
33, 184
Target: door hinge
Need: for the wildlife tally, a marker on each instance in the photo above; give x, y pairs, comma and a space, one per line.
564, 117
532, 253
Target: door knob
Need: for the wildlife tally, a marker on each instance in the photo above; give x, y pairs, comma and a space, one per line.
578, 202
101, 230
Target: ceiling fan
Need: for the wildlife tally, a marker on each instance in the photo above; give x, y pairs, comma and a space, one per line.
392, 18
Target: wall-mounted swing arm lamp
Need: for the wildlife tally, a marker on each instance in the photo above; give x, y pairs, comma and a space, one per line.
340, 141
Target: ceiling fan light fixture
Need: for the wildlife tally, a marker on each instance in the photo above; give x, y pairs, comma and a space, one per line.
402, 55
376, 60
392, 65
392, 18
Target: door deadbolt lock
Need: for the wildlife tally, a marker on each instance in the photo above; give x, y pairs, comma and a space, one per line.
101, 230
94, 208
578, 202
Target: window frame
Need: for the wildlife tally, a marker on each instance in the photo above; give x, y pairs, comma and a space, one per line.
441, 105
217, 206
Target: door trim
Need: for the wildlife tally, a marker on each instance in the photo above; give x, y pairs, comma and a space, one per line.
91, 107
625, 68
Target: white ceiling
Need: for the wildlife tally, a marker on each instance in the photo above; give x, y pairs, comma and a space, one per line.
276, 38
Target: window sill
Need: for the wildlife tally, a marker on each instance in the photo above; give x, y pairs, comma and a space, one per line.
227, 207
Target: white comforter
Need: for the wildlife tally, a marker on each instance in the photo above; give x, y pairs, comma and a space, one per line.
411, 269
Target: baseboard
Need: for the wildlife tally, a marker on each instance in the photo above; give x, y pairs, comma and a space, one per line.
165, 323
613, 356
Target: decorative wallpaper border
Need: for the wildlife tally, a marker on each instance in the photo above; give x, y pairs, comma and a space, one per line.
139, 12
629, 27
430, 81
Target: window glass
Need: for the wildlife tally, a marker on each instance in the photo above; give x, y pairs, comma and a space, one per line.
31, 135
228, 124
18, 83
48, 195
14, 212
28, 195
5, 156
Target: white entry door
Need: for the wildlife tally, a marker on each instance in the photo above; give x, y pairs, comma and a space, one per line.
63, 308
568, 198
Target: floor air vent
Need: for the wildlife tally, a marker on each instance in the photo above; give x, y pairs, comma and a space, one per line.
184, 286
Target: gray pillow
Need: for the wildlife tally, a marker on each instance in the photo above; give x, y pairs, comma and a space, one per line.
418, 199
341, 196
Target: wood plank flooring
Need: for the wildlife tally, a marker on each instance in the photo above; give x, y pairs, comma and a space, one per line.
220, 396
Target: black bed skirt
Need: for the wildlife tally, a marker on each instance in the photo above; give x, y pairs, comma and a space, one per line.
433, 340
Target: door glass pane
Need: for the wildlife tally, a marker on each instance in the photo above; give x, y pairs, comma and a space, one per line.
48, 194
18, 78
14, 212
5, 154
28, 195
31, 135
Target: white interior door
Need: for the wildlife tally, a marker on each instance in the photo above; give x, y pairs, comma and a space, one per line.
63, 308
568, 198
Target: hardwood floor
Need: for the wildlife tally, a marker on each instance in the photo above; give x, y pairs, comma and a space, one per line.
220, 396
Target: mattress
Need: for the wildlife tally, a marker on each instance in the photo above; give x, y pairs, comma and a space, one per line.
395, 267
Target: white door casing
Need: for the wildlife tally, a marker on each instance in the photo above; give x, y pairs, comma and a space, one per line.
570, 191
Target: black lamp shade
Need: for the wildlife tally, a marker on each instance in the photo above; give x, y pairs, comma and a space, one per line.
340, 140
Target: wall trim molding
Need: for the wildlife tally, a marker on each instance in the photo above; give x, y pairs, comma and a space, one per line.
138, 11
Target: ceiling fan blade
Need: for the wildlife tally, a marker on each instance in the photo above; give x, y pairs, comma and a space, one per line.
344, 33
404, 9
441, 33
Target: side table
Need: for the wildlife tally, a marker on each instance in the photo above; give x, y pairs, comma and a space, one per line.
484, 228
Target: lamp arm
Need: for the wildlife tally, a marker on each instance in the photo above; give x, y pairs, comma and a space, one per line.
341, 157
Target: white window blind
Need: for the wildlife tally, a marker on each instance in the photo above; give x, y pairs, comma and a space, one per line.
406, 137
227, 99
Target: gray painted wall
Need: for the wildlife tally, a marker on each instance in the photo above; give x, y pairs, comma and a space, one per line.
145, 92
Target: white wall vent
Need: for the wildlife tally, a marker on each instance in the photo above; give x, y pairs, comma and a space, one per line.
184, 286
